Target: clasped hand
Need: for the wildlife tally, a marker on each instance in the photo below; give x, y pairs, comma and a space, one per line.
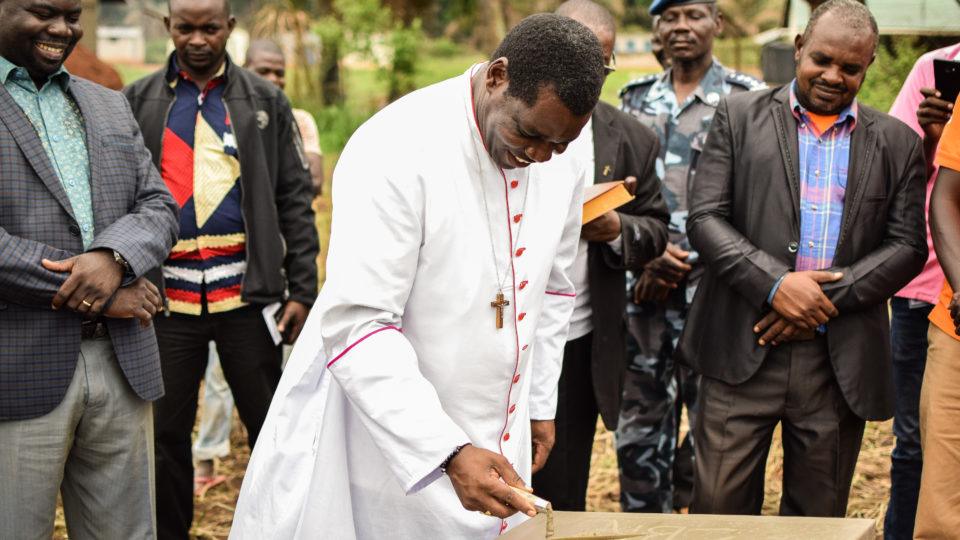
93, 288
799, 307
662, 275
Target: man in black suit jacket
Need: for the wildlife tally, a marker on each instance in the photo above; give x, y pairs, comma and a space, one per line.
615, 146
803, 248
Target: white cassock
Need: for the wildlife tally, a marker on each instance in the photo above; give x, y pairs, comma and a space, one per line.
400, 360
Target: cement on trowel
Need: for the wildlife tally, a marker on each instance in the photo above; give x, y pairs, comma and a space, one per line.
616, 526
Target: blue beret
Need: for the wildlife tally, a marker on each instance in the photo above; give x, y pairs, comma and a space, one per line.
658, 6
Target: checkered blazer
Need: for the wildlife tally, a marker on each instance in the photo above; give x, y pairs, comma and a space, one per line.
134, 214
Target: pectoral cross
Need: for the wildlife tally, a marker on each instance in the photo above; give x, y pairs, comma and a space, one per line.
499, 304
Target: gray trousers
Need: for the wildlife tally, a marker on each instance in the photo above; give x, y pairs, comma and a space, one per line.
95, 448
795, 387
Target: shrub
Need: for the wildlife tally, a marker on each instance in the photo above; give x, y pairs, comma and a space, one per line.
895, 58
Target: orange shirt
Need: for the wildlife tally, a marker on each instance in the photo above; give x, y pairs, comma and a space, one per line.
948, 155
823, 122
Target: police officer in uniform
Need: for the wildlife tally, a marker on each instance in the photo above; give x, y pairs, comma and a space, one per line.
678, 104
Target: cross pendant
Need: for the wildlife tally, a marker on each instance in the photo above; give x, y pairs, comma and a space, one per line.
499, 304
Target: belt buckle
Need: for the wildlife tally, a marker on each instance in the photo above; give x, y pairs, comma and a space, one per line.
92, 330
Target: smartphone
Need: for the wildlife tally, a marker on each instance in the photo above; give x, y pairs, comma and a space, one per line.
946, 74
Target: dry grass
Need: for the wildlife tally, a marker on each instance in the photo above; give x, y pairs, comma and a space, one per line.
868, 496
213, 513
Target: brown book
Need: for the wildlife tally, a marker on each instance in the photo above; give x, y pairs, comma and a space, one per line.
599, 199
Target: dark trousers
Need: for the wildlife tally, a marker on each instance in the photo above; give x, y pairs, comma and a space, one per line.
908, 340
563, 480
251, 365
795, 387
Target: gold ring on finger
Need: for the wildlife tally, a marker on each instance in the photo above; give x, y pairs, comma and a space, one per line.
487, 513
84, 302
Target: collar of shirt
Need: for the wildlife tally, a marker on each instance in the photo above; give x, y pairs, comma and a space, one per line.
9, 70
175, 74
711, 83
849, 113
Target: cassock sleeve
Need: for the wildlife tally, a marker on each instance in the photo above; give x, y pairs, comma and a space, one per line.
551, 333
374, 249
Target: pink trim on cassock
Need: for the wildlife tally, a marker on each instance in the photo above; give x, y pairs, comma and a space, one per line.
357, 342
513, 275
558, 293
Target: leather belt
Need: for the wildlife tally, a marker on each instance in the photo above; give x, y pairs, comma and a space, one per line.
92, 330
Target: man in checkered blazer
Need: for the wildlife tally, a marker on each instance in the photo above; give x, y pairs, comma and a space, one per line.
83, 215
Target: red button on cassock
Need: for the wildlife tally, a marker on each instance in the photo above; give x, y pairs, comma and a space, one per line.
513, 407
506, 436
514, 184
523, 284
503, 526
524, 347
516, 378
520, 251
517, 218
521, 316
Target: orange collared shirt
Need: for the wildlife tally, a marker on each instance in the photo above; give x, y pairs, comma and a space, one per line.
948, 155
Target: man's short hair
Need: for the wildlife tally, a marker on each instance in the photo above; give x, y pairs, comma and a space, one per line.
853, 14
548, 50
262, 46
590, 13
226, 7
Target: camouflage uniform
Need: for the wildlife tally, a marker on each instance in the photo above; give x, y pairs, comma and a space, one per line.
647, 430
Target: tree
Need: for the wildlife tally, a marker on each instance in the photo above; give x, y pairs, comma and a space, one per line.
288, 17
489, 25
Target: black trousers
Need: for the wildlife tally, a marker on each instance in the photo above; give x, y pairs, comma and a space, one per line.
795, 387
563, 480
251, 366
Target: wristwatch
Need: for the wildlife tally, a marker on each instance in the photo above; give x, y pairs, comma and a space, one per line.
121, 261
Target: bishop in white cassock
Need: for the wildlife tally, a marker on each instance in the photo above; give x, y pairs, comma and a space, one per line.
403, 359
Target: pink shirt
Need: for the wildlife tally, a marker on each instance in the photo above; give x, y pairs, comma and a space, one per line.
926, 286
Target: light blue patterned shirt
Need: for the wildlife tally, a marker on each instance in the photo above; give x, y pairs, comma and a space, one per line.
59, 124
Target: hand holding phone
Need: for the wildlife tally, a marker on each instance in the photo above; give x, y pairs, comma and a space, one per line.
946, 74
932, 114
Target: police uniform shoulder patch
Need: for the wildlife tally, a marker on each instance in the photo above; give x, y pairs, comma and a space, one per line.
744, 81
646, 80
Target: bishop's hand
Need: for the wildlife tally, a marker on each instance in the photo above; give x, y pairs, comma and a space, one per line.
482, 480
543, 434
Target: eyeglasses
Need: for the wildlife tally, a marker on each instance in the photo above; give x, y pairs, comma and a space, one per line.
612, 66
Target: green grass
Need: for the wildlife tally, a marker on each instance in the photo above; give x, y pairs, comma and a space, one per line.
433, 69
617, 80
131, 73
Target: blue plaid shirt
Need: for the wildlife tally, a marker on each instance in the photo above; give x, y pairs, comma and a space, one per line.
824, 164
59, 124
